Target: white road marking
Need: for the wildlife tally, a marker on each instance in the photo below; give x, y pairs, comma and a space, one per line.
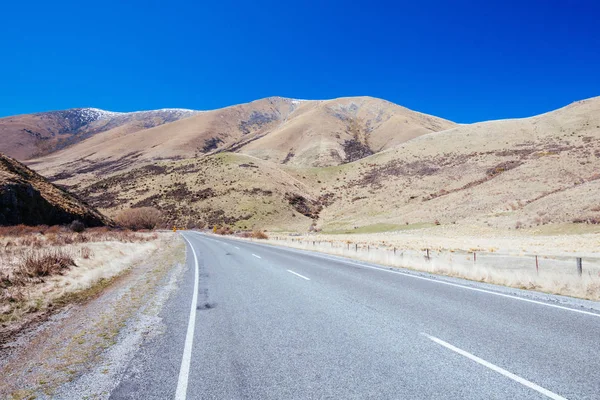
236, 247
495, 368
256, 255
315, 254
184, 370
479, 290
297, 274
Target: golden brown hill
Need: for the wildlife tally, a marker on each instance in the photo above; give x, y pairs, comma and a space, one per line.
284, 131
29, 135
504, 174
28, 198
533, 172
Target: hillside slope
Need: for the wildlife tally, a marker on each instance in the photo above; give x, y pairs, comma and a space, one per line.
28, 198
26, 136
505, 174
509, 174
301, 133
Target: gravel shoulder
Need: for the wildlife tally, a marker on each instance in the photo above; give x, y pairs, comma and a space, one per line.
80, 351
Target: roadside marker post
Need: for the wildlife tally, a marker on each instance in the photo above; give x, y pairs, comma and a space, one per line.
537, 265
579, 266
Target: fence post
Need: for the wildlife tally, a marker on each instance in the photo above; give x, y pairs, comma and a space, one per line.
579, 266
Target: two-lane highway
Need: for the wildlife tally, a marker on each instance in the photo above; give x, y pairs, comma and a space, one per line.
251, 321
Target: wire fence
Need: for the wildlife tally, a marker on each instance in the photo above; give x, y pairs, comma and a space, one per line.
568, 275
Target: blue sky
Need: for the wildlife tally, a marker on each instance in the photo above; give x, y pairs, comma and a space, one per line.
462, 60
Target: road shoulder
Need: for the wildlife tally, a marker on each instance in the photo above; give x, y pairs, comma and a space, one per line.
82, 350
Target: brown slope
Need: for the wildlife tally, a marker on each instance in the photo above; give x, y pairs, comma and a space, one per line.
109, 152
503, 174
28, 198
535, 171
333, 132
302, 133
223, 189
26, 136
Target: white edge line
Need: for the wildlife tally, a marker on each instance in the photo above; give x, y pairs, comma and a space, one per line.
184, 370
297, 274
315, 254
497, 369
256, 255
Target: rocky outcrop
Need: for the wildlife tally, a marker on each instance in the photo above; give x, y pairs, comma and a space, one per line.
28, 198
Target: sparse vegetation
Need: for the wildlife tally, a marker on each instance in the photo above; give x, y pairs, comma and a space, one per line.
38, 263
77, 226
259, 235
139, 218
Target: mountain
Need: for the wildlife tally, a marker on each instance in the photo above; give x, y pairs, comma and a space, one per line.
26, 136
28, 198
506, 174
286, 131
285, 164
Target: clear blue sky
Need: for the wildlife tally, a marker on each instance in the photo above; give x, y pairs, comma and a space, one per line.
462, 60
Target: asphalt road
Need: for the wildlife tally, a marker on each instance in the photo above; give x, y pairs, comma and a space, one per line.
276, 323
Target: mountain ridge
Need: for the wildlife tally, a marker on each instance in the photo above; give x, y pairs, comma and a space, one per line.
339, 164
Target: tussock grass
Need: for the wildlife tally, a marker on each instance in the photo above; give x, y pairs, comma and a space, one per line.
139, 218
39, 265
36, 264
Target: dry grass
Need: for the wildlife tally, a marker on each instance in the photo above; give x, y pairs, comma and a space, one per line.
259, 235
40, 264
223, 230
139, 218
557, 275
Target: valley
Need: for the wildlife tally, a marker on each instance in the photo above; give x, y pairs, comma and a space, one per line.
344, 165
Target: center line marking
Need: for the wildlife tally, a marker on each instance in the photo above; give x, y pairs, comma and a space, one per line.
434, 280
493, 367
297, 274
184, 370
256, 255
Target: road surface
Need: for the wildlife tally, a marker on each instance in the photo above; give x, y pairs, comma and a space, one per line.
251, 321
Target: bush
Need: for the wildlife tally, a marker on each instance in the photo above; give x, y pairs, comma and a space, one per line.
139, 218
225, 230
259, 235
44, 263
77, 226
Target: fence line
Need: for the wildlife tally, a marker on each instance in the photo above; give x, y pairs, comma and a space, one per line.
568, 275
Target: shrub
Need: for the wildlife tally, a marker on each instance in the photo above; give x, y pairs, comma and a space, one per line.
44, 263
86, 252
225, 230
519, 225
77, 226
139, 218
259, 235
